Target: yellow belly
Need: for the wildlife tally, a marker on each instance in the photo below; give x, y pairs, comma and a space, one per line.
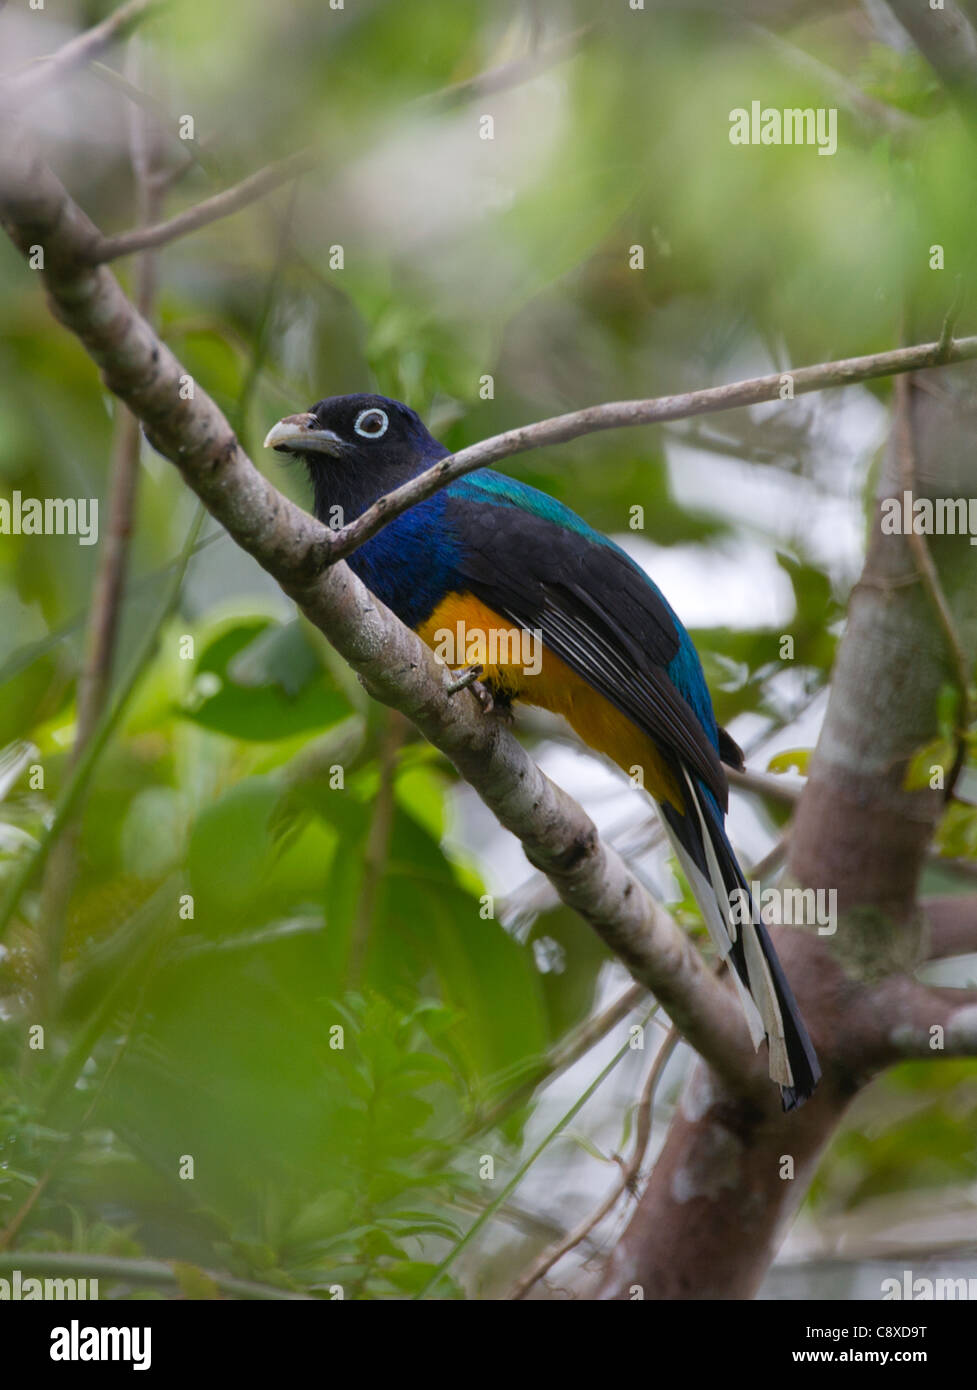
466, 632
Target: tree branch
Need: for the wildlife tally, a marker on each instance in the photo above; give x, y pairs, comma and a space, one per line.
113, 564
771, 784
257, 185
630, 1173
512, 74
102, 630
392, 662
564, 1053
929, 576
947, 40
57, 1264
623, 414
223, 204
873, 115
22, 86
932, 1023
952, 922
377, 849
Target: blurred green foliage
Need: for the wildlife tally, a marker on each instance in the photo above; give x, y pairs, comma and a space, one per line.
247, 771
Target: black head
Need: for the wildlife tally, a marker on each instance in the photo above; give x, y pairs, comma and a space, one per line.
366, 432
356, 448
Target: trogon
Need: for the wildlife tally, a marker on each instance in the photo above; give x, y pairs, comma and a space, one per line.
492, 554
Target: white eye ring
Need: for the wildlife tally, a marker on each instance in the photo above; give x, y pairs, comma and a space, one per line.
374, 413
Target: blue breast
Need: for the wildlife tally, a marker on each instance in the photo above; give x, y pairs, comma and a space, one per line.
412, 563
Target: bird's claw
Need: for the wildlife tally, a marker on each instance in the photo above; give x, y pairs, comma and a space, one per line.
468, 680
484, 696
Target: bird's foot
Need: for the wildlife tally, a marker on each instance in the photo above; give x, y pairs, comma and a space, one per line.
494, 701
488, 700
468, 677
468, 680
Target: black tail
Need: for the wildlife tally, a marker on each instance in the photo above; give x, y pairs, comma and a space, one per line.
700, 841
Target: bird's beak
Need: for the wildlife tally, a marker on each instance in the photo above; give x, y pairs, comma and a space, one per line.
302, 434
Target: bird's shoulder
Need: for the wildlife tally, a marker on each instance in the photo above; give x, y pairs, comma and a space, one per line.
534, 560
540, 552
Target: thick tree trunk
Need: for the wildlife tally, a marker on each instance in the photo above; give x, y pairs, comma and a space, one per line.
731, 1175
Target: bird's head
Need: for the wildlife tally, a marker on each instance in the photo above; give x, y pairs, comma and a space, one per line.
356, 448
364, 432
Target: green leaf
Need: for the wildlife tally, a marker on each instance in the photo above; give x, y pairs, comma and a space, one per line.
587, 1144
193, 1282
791, 760
939, 754
262, 681
413, 1275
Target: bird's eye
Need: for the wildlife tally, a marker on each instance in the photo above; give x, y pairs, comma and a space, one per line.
371, 423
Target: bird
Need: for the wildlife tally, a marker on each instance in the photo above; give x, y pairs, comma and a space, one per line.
488, 554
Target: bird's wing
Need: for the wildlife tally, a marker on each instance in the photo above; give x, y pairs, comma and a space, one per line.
597, 611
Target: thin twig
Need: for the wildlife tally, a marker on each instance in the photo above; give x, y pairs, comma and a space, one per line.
562, 1056
76, 53
110, 579
223, 204
13, 1227
61, 1264
873, 115
930, 578
524, 1167
768, 784
512, 74
947, 40
949, 322
33, 863
625, 414
111, 574
377, 845
772, 860
193, 153
629, 1177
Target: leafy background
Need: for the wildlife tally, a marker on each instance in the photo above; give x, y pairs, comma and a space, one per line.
336, 869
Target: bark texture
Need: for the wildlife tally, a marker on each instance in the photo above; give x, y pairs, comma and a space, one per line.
733, 1173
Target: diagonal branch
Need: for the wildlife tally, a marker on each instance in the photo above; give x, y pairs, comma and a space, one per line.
567, 1051
623, 414
76, 53
952, 923
223, 204
165, 1273
264, 181
630, 1173
930, 577
872, 115
112, 571
392, 662
933, 1023
512, 74
947, 40
102, 633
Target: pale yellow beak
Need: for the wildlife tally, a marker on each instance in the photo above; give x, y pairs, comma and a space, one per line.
302, 434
